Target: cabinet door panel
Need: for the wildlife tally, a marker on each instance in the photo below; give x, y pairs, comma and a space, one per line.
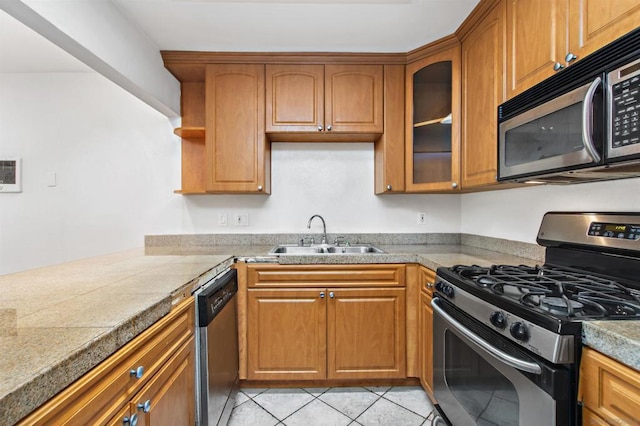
366, 333
170, 394
432, 147
354, 98
536, 40
610, 389
286, 334
595, 23
295, 98
482, 92
235, 139
389, 149
426, 343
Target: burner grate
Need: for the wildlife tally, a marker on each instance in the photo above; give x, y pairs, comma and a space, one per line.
556, 290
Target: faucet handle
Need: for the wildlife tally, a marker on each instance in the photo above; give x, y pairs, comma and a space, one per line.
303, 240
338, 240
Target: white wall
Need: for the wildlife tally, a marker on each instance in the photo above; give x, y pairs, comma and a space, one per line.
114, 159
331, 179
117, 164
515, 214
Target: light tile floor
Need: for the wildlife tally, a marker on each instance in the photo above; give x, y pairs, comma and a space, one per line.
366, 406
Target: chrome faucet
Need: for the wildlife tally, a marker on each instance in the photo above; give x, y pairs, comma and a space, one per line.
324, 227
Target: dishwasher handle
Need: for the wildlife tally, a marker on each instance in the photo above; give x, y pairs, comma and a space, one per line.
215, 295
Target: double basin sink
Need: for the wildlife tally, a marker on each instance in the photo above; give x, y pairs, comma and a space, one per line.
325, 249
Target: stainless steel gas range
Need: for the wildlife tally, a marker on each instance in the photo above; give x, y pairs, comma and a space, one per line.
507, 338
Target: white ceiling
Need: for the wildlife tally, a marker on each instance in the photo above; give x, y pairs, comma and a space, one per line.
254, 25
296, 25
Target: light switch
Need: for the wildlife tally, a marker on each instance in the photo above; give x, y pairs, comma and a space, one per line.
51, 179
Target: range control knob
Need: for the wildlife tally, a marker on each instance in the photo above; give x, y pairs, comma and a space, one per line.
499, 320
445, 289
519, 331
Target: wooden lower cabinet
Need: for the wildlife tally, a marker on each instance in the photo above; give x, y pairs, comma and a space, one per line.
353, 327
286, 334
164, 357
168, 398
609, 390
426, 330
366, 333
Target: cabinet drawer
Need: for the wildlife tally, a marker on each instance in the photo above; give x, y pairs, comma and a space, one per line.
104, 391
610, 389
392, 275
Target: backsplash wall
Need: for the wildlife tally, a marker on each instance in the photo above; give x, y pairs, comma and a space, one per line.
516, 214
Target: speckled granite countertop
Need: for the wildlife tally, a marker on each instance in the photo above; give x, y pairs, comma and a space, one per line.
58, 322
618, 339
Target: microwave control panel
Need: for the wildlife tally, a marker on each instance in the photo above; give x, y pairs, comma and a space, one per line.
615, 230
625, 105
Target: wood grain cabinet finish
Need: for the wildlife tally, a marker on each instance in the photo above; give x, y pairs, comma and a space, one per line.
366, 333
103, 395
168, 398
389, 148
324, 99
596, 23
432, 132
609, 389
536, 41
286, 334
542, 35
237, 151
426, 330
321, 322
482, 93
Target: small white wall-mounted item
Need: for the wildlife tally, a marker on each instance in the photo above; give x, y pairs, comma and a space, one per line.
10, 174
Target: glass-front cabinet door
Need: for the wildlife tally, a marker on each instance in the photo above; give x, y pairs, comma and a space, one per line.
433, 123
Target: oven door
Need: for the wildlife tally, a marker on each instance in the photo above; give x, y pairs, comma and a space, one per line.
562, 134
480, 378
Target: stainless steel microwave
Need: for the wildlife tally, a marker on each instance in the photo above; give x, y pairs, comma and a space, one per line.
581, 125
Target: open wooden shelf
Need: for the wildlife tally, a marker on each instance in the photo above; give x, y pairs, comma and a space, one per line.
189, 132
430, 122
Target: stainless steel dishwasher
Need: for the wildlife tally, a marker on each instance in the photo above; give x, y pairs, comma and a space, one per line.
217, 349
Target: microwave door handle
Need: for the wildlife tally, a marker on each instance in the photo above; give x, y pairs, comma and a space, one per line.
587, 120
530, 367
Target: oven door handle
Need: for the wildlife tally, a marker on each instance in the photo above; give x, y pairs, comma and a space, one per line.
530, 367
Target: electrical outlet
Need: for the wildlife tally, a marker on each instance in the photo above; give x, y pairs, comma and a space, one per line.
222, 219
422, 218
241, 219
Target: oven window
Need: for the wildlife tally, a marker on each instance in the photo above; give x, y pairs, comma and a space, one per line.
484, 393
554, 134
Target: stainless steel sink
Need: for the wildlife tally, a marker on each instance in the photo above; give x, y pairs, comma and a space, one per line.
324, 249
356, 249
291, 249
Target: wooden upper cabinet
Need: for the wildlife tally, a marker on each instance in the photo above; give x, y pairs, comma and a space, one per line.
432, 149
324, 100
236, 148
389, 148
354, 98
482, 93
542, 35
536, 41
595, 23
295, 98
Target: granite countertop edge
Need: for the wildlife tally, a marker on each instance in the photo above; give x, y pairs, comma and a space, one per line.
619, 340
50, 381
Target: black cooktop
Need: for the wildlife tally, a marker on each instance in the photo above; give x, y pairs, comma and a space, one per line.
548, 291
